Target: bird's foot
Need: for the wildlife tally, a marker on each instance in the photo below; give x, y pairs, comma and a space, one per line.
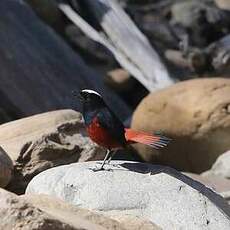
115, 165
100, 163
99, 169
110, 164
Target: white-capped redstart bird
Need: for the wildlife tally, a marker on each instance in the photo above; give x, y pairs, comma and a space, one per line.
107, 130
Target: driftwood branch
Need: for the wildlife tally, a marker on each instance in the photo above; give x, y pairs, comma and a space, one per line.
121, 36
220, 53
216, 57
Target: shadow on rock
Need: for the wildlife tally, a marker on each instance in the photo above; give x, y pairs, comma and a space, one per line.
156, 169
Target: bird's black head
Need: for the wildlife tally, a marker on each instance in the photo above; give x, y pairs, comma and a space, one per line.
92, 102
90, 96
91, 99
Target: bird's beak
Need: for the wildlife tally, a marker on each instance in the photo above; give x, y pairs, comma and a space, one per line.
78, 95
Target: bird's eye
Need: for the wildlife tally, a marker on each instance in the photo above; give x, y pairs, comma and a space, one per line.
87, 97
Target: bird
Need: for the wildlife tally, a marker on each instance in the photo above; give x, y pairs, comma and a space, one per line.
105, 128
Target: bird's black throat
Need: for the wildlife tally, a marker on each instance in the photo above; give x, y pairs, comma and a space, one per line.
91, 109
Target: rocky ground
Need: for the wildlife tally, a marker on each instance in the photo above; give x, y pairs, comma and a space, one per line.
46, 157
127, 195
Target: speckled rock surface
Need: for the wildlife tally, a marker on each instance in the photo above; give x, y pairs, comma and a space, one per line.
157, 193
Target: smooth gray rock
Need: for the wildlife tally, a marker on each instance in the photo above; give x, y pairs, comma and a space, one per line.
160, 194
221, 167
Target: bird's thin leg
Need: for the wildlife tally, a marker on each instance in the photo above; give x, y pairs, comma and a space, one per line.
111, 156
106, 156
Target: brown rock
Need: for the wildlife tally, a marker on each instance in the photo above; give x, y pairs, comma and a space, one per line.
13, 135
6, 168
17, 213
69, 213
135, 223
43, 141
196, 115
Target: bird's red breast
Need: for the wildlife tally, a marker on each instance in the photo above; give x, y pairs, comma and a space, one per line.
101, 136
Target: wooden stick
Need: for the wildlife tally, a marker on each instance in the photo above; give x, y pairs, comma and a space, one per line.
121, 36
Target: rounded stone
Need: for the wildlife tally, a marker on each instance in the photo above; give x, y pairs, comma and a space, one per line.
159, 194
195, 114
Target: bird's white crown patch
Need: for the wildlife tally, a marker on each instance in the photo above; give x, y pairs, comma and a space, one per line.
91, 92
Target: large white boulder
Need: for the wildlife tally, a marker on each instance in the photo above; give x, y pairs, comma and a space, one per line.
157, 193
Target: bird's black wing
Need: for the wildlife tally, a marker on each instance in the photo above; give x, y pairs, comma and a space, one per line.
110, 122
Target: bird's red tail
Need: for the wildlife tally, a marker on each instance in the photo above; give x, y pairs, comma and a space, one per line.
155, 141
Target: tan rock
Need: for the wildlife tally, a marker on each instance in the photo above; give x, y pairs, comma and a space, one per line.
223, 4
196, 115
17, 213
69, 213
135, 223
6, 168
43, 141
13, 135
